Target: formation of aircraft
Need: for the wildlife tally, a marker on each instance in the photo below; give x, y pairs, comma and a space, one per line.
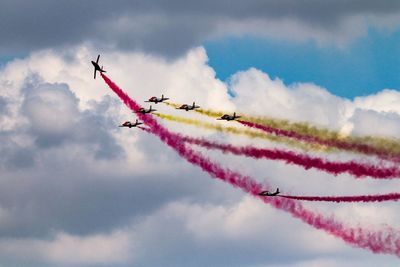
156, 100
144, 111
188, 107
269, 194
130, 124
227, 117
97, 67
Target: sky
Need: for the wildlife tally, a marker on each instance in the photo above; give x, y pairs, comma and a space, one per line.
363, 67
76, 190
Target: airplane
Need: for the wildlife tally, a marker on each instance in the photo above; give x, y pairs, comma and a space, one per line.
97, 67
269, 194
130, 124
227, 117
187, 107
157, 100
144, 111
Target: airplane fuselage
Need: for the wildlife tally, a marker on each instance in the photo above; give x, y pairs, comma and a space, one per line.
188, 107
269, 194
97, 67
156, 100
227, 117
130, 124
145, 111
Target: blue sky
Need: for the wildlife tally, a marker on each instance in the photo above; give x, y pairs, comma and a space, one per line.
367, 65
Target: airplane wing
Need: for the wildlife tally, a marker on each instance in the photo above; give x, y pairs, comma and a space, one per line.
95, 73
98, 57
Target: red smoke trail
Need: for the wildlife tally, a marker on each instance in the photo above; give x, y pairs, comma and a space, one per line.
361, 148
368, 198
248, 152
377, 242
351, 167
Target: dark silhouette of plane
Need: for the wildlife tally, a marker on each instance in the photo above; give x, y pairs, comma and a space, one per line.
144, 111
97, 67
130, 124
269, 194
227, 117
188, 107
156, 100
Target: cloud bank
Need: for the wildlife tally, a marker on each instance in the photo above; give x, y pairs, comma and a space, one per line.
75, 189
172, 28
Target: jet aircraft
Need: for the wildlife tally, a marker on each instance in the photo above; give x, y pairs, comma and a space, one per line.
269, 194
188, 107
227, 117
144, 111
130, 124
156, 99
97, 67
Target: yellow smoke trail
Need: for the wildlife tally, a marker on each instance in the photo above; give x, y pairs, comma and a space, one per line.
210, 113
172, 104
247, 132
390, 145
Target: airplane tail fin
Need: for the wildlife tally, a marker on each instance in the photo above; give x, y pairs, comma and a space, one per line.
277, 190
194, 104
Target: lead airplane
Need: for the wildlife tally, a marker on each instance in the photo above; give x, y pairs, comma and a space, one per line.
156, 100
269, 194
227, 117
188, 107
130, 124
144, 111
97, 67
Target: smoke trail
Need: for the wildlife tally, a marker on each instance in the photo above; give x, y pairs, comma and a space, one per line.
172, 104
210, 113
389, 145
378, 242
369, 144
233, 130
361, 148
368, 198
354, 168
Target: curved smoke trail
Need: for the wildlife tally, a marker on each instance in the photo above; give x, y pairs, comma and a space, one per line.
369, 144
361, 148
378, 242
234, 130
354, 168
367, 198
388, 145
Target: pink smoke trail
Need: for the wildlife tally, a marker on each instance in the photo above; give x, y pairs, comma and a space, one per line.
367, 198
377, 242
354, 168
360, 148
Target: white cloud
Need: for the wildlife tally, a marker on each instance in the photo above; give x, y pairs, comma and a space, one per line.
69, 250
145, 193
